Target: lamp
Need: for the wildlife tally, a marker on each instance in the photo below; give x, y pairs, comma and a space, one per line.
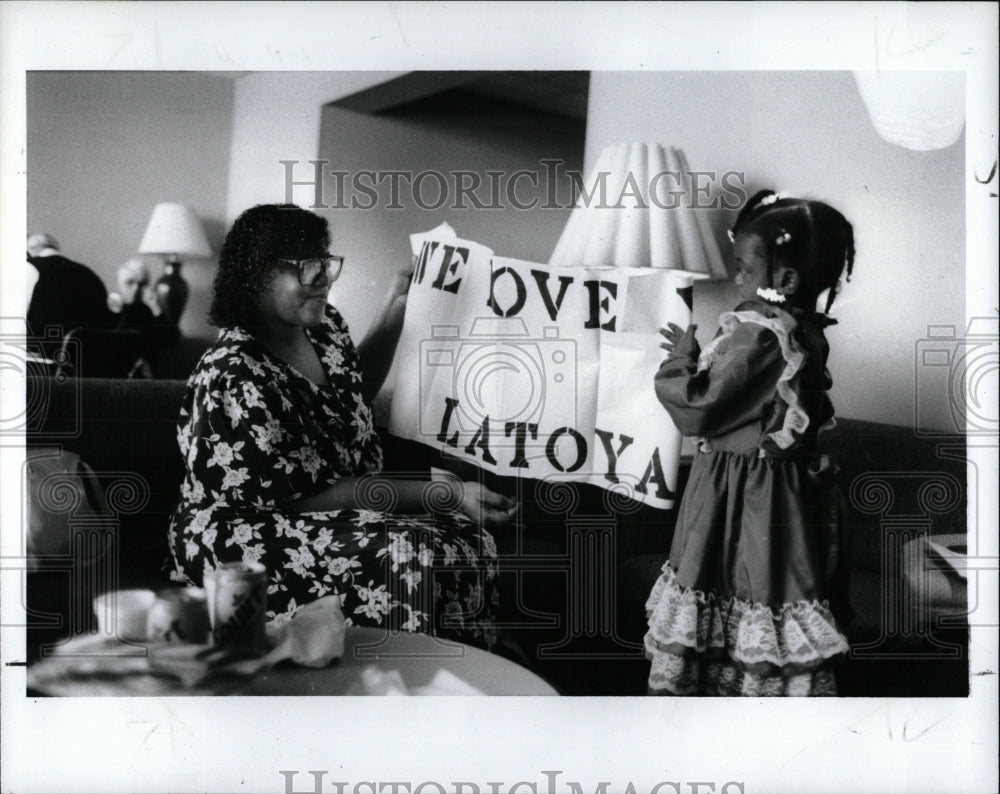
641, 208
913, 95
921, 111
175, 231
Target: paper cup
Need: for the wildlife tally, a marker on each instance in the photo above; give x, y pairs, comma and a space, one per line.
123, 613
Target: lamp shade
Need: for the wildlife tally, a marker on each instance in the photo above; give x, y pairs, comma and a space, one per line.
640, 208
174, 229
917, 110
913, 94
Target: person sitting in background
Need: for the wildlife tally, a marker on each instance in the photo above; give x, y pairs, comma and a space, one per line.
66, 294
135, 306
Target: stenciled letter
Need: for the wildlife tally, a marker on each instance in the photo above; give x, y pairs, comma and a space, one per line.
450, 404
522, 293
597, 304
542, 279
606, 437
654, 471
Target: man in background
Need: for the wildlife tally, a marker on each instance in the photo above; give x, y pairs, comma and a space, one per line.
66, 294
134, 305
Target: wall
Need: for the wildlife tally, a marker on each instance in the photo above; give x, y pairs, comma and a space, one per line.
447, 136
808, 132
122, 141
276, 116
105, 147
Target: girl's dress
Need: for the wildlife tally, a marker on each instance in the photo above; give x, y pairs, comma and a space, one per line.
256, 435
743, 606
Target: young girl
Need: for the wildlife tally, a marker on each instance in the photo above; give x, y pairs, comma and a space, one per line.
743, 606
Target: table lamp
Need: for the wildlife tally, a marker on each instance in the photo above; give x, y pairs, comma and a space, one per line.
642, 207
913, 94
649, 213
174, 231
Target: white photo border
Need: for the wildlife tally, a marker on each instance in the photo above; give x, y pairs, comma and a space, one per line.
242, 744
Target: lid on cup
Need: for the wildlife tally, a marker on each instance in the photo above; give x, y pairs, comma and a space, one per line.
181, 594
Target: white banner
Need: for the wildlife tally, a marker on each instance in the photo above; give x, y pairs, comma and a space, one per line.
537, 371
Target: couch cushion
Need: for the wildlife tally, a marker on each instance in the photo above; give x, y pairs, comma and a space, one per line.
896, 484
126, 431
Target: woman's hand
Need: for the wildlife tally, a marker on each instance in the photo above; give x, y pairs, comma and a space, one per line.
680, 343
394, 308
378, 347
485, 507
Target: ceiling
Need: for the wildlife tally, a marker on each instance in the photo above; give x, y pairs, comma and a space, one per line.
560, 93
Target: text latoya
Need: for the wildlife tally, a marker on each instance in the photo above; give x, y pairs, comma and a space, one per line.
481, 445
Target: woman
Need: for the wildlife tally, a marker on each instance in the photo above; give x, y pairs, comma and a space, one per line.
280, 451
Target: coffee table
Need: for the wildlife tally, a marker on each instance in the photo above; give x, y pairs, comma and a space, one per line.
375, 662
424, 664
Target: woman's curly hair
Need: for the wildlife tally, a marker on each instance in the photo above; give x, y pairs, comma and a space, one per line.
257, 239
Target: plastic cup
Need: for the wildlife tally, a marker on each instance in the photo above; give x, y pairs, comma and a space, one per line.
123, 613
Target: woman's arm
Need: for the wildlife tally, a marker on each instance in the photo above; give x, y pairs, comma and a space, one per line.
378, 348
348, 493
412, 496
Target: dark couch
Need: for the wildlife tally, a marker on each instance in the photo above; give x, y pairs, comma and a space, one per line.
896, 487
124, 430
576, 570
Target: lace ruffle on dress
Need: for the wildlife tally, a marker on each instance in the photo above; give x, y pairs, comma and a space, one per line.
742, 606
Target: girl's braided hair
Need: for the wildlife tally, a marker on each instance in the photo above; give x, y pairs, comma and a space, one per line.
808, 236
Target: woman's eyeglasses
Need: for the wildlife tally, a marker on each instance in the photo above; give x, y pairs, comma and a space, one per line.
309, 269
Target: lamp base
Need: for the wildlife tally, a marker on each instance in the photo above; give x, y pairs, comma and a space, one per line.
172, 291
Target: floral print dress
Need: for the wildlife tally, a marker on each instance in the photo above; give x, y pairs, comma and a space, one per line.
256, 435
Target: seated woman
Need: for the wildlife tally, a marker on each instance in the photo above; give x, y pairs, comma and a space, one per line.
280, 451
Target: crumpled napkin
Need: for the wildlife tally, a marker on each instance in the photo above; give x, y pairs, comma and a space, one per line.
312, 637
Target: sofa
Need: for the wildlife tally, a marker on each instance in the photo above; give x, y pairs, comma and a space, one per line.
577, 567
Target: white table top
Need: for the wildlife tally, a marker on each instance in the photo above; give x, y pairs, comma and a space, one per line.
419, 660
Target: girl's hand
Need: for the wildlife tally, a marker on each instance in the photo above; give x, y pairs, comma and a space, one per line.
485, 507
680, 343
